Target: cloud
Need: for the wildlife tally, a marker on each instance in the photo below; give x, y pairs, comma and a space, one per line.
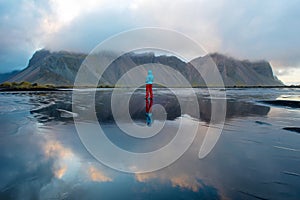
289, 75
244, 29
183, 181
18, 33
24, 170
97, 175
60, 171
88, 31
37, 165
283, 72
55, 149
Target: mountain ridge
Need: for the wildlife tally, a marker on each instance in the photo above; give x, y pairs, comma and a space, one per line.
60, 68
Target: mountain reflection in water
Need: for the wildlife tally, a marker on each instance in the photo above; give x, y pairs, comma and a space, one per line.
42, 157
60, 109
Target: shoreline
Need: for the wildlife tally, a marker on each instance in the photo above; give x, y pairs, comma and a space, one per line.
68, 88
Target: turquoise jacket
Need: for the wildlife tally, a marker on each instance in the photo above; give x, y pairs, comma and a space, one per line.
150, 78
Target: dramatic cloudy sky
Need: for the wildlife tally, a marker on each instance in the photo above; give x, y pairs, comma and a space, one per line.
244, 29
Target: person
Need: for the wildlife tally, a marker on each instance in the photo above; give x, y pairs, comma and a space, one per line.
149, 82
149, 112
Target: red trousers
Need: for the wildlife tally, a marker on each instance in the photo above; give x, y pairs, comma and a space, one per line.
149, 91
149, 106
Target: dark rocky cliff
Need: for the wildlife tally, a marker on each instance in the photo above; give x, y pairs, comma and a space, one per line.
60, 68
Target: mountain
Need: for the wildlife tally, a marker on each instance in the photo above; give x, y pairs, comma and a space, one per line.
45, 67
60, 68
244, 73
5, 76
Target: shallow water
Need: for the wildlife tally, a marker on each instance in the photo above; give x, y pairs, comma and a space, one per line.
256, 157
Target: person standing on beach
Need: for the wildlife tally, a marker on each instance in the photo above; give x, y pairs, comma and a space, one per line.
149, 82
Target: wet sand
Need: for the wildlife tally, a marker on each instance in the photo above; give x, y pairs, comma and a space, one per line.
256, 157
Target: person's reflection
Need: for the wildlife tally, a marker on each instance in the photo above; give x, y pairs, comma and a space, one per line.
149, 112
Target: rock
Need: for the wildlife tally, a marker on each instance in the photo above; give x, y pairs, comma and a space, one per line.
60, 68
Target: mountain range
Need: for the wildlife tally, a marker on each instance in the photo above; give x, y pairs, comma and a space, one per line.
60, 68
8, 75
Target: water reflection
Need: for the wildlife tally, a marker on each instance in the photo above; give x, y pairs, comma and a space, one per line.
42, 157
59, 107
149, 111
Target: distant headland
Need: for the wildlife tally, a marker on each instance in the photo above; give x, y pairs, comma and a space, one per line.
48, 70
